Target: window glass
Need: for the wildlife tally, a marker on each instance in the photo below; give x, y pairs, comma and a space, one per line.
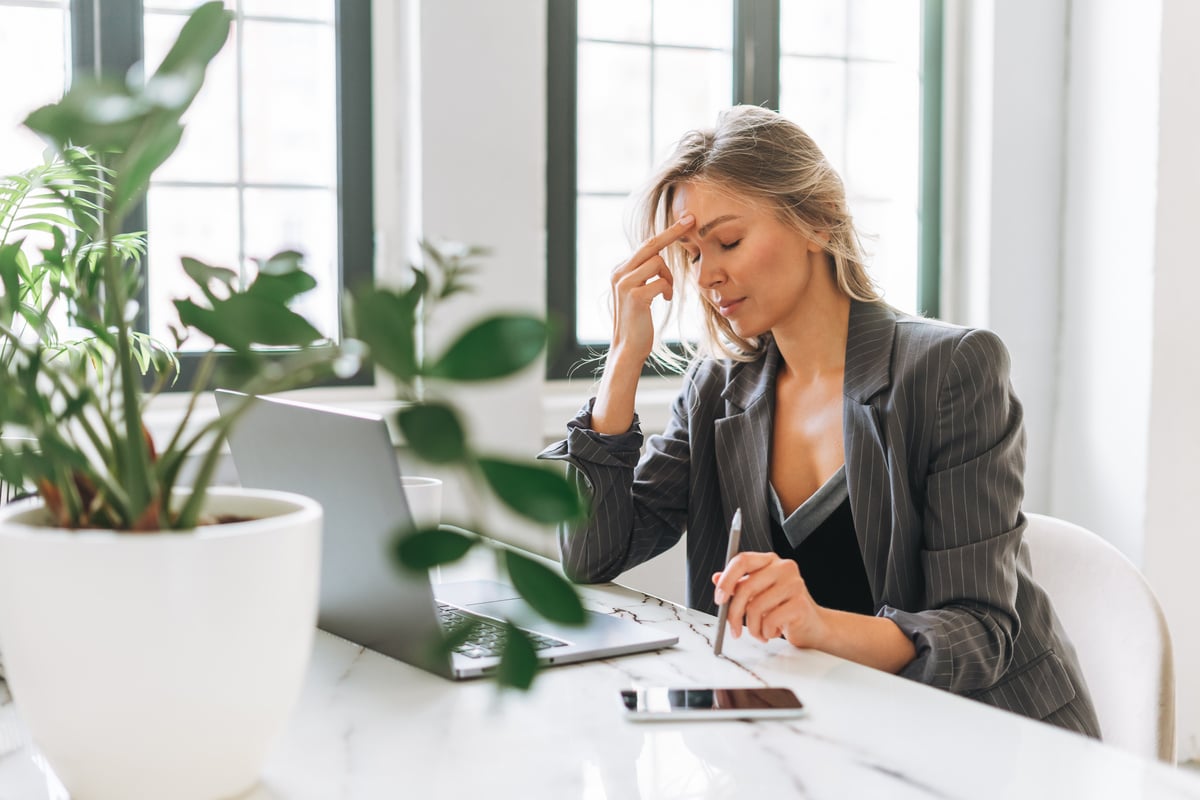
195, 221
303, 220
614, 116
40, 61
290, 106
850, 76
257, 169
693, 23
670, 71
617, 20
209, 151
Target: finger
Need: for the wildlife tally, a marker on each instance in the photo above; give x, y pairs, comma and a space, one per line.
777, 621
764, 604
631, 275
671, 233
644, 295
742, 564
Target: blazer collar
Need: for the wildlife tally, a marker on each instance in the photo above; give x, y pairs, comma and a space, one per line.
869, 337
752, 379
869, 350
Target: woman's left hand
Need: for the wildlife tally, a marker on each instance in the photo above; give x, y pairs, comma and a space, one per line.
767, 592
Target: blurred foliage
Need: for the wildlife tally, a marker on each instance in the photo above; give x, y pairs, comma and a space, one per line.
93, 461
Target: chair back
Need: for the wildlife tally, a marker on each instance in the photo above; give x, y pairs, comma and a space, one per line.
1118, 629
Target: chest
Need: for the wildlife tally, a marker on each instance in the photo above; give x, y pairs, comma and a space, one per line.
806, 437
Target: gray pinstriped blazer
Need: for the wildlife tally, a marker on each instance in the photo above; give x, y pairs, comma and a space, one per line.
935, 455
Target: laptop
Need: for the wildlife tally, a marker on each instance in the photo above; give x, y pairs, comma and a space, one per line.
346, 461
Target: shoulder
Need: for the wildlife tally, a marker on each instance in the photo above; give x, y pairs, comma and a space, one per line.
933, 345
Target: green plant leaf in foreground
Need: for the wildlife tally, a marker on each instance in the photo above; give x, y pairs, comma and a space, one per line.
386, 322
434, 432
431, 547
548, 592
541, 494
518, 662
496, 347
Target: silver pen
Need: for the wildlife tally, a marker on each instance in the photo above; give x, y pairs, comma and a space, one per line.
735, 536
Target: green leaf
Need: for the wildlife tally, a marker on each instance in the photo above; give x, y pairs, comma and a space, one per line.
99, 114
518, 662
434, 432
386, 323
548, 592
154, 145
282, 263
203, 275
452, 638
241, 321
420, 550
539, 493
280, 287
202, 37
493, 348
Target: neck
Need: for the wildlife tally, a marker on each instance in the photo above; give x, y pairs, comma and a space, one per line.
812, 342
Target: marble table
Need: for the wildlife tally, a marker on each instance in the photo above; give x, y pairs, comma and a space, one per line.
370, 727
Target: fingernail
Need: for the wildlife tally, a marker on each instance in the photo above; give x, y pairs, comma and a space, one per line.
719, 597
687, 219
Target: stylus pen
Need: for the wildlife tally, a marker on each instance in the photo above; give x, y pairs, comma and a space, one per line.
735, 535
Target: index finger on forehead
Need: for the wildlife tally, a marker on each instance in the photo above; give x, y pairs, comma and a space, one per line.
672, 233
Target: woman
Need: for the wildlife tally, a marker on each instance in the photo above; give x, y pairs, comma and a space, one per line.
877, 458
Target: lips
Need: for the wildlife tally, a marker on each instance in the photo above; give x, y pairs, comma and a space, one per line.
727, 305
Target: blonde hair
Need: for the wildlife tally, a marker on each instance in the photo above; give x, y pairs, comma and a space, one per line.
754, 154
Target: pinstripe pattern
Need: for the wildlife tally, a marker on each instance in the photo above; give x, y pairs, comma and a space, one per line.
935, 454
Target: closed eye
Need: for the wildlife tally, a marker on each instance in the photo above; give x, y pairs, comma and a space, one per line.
731, 245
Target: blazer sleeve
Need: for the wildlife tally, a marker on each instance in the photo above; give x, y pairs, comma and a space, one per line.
638, 506
973, 525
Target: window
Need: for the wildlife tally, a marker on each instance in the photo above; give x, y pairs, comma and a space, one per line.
628, 78
277, 152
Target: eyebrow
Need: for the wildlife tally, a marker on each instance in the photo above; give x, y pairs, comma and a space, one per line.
704, 230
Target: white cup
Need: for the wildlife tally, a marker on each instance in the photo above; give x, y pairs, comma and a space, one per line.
424, 497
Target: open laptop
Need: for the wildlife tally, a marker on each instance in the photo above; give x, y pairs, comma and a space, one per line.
345, 460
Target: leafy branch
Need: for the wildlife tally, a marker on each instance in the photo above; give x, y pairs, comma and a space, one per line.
95, 464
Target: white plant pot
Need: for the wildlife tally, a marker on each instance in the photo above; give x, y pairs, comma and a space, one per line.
160, 665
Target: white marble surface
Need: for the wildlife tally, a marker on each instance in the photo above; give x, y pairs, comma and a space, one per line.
371, 727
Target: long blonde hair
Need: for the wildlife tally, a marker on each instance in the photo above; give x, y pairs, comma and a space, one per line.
755, 154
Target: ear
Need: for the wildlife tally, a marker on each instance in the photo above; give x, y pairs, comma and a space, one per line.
819, 242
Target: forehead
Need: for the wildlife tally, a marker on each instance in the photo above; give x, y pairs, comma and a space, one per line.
710, 200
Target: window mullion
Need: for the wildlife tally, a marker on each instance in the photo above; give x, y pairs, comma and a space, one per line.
110, 42
929, 246
756, 52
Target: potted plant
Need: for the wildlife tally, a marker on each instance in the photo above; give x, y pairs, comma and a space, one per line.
55, 198
155, 630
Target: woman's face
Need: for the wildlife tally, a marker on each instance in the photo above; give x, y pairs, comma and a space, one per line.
749, 267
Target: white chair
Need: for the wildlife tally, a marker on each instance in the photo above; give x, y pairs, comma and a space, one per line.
1120, 634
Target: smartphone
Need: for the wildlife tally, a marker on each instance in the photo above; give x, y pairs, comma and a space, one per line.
661, 703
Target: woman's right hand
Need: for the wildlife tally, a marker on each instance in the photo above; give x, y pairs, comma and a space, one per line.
635, 284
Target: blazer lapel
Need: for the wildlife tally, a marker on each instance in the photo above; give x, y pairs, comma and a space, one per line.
869, 341
743, 440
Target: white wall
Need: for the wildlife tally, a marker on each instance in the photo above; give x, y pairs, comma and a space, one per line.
482, 163
1005, 116
1108, 269
1172, 546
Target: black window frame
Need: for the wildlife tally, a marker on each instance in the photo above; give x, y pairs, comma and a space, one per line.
755, 46
108, 38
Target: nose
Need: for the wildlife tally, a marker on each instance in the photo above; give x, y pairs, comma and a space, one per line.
708, 274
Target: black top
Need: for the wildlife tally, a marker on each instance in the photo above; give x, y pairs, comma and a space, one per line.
830, 561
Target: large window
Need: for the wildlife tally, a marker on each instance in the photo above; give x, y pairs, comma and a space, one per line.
628, 78
277, 152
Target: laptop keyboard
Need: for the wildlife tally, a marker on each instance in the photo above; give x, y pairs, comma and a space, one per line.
488, 637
